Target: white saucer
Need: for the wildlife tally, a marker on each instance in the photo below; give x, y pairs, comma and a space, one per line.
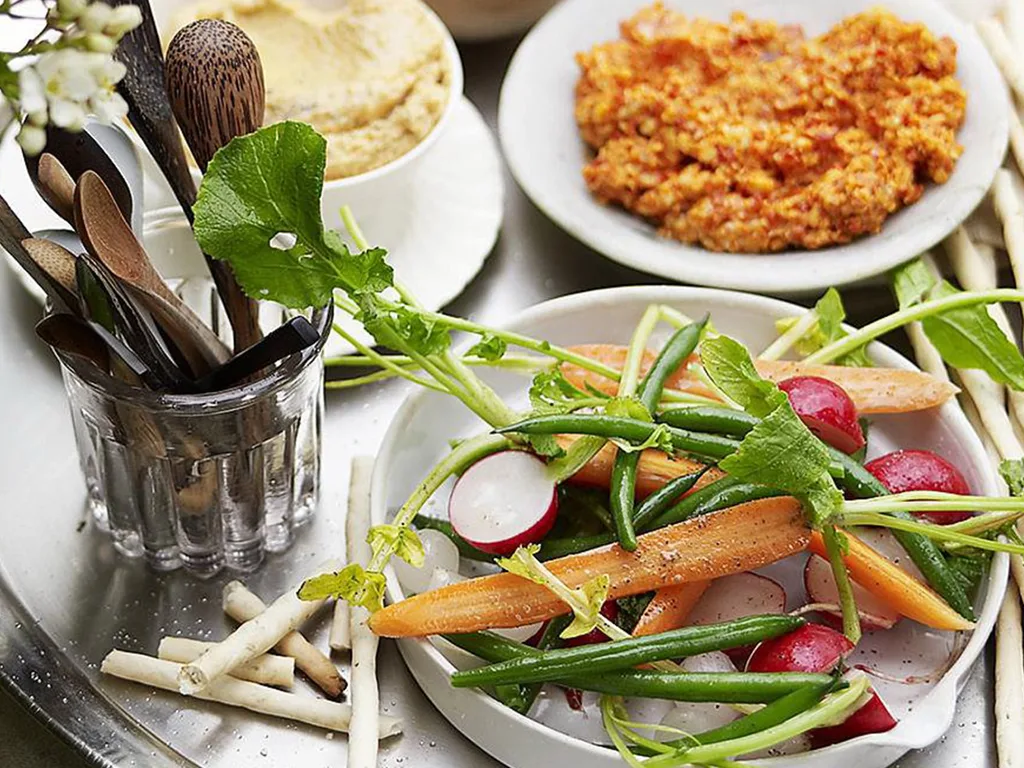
546, 155
438, 229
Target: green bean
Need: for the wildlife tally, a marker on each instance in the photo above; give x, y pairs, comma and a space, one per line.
722, 687
622, 486
620, 427
662, 499
709, 418
623, 654
466, 549
721, 494
923, 551
550, 549
777, 712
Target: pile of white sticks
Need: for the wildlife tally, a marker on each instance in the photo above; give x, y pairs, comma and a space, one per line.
240, 672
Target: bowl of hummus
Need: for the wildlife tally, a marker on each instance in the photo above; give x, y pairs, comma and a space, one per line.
379, 79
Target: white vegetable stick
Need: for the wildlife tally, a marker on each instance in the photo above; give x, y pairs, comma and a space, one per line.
1009, 683
362, 747
243, 606
341, 636
1002, 53
1016, 137
1013, 21
241, 693
927, 355
266, 669
1008, 208
256, 636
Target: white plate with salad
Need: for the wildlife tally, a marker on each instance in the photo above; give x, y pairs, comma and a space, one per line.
915, 670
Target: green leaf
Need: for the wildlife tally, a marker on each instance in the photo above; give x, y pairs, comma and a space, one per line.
631, 609
266, 184
969, 338
1012, 471
828, 328
391, 325
551, 392
401, 540
661, 438
490, 347
593, 594
628, 407
912, 283
728, 364
352, 584
523, 563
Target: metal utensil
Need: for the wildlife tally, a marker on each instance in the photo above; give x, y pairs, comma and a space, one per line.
12, 234
65, 238
121, 150
108, 236
215, 84
294, 336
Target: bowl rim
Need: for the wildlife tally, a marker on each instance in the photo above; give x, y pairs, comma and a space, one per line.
630, 240
901, 738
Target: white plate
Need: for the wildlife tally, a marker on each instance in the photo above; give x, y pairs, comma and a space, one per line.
546, 155
439, 227
419, 436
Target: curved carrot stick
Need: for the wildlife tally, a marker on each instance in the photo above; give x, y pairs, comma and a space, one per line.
734, 540
670, 607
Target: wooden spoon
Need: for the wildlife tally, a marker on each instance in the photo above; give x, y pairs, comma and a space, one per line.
72, 336
12, 234
56, 261
108, 237
56, 187
215, 84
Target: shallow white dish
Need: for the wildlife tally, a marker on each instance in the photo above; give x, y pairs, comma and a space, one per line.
458, 181
546, 155
419, 436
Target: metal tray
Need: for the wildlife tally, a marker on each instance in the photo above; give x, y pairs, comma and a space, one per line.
66, 599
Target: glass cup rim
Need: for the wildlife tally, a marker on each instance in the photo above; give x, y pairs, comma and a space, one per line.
107, 386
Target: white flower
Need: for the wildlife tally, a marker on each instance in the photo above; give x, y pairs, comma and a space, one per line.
108, 106
123, 20
106, 71
67, 114
99, 42
95, 18
31, 90
32, 139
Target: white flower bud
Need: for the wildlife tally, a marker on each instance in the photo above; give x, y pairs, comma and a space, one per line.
71, 9
100, 43
67, 114
38, 118
95, 17
123, 20
32, 139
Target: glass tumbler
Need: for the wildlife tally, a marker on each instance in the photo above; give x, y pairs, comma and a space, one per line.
204, 481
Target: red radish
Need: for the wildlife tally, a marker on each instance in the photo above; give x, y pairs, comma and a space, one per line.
504, 501
610, 610
872, 717
821, 588
574, 698
812, 648
884, 543
827, 411
901, 471
736, 596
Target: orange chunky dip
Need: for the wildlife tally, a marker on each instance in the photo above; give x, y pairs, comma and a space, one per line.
747, 137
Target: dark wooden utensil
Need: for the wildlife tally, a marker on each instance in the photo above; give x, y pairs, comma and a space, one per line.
72, 336
149, 111
284, 341
12, 234
56, 187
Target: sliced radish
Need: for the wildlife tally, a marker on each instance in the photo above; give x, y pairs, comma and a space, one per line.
795, 746
714, 661
821, 588
610, 610
440, 553
692, 717
827, 411
736, 596
811, 648
885, 543
901, 471
872, 717
504, 501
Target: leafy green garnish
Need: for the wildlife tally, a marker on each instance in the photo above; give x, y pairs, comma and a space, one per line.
629, 408
631, 609
966, 337
490, 348
1012, 471
780, 452
828, 327
352, 583
585, 601
402, 540
246, 202
551, 392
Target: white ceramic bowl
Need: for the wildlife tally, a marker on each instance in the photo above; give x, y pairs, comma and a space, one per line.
419, 436
546, 154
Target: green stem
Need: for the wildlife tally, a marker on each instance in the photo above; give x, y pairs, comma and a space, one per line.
785, 342
848, 603
859, 338
464, 456
527, 364
386, 364
833, 708
934, 532
983, 523
935, 501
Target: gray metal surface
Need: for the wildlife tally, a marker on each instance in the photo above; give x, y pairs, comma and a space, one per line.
65, 599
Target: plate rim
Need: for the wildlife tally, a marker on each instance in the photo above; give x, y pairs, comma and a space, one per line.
818, 269
425, 660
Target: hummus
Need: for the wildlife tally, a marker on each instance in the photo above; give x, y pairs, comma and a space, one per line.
373, 77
